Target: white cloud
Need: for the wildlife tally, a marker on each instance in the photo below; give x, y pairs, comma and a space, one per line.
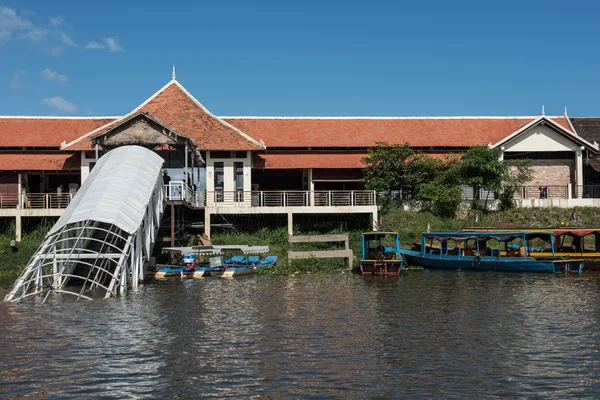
113, 45
58, 21
54, 51
65, 39
50, 75
109, 44
60, 104
11, 24
16, 81
48, 33
94, 46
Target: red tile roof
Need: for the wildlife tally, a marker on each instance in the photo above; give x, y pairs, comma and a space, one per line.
364, 132
45, 132
316, 160
39, 162
174, 107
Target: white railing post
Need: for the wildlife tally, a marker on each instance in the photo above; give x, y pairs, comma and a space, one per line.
329, 198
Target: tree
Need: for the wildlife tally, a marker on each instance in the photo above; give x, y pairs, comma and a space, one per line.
442, 193
518, 173
482, 168
386, 170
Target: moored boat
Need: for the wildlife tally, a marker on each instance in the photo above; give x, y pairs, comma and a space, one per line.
249, 265
215, 261
489, 251
381, 254
582, 242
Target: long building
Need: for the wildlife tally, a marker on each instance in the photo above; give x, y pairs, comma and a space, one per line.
232, 165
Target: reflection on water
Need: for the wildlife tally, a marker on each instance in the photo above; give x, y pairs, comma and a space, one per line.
428, 333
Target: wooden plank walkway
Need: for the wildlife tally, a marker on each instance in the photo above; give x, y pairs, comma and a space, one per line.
297, 255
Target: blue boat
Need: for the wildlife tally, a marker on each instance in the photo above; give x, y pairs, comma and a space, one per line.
217, 261
489, 251
381, 254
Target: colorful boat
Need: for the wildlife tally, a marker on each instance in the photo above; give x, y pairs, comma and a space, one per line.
381, 254
215, 261
582, 242
490, 251
248, 265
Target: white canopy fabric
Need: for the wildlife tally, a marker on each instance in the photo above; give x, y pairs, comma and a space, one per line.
118, 189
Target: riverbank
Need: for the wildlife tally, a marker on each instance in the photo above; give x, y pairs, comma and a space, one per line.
409, 224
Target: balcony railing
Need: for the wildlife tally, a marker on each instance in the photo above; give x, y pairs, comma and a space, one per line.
528, 192
288, 198
35, 200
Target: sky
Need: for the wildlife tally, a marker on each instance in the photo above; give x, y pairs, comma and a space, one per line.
303, 58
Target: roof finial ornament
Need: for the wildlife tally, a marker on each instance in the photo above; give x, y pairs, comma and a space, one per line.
565, 111
173, 76
543, 112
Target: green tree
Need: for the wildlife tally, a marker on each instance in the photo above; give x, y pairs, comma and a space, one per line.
482, 168
518, 173
442, 193
386, 169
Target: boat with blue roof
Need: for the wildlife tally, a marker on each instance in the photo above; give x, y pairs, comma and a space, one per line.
225, 261
381, 254
490, 251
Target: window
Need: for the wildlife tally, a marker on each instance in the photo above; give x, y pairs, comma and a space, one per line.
238, 168
219, 181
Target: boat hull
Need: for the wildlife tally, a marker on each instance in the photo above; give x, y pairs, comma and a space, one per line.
468, 263
384, 267
239, 270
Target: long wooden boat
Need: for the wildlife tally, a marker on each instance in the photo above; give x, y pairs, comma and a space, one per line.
215, 261
489, 251
582, 242
381, 254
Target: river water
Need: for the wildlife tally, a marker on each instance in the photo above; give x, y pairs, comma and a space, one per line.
433, 334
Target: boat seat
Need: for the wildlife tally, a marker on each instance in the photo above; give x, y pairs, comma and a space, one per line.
236, 259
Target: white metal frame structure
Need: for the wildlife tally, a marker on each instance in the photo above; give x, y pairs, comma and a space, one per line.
105, 237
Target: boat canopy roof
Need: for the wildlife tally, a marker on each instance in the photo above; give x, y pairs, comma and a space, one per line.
483, 236
569, 231
380, 234
217, 250
575, 232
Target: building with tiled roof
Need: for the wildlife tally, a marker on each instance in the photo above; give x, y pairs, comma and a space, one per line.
245, 154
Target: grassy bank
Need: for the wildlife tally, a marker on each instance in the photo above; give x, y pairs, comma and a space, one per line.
409, 224
12, 262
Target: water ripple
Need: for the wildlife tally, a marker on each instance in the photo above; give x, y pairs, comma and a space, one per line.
426, 334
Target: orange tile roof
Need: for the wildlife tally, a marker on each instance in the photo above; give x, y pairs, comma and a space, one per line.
45, 132
39, 162
316, 160
174, 107
364, 132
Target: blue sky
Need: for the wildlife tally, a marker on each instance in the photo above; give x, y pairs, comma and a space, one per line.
303, 58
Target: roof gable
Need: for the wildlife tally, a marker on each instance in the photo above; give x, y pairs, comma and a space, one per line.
557, 137
176, 108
